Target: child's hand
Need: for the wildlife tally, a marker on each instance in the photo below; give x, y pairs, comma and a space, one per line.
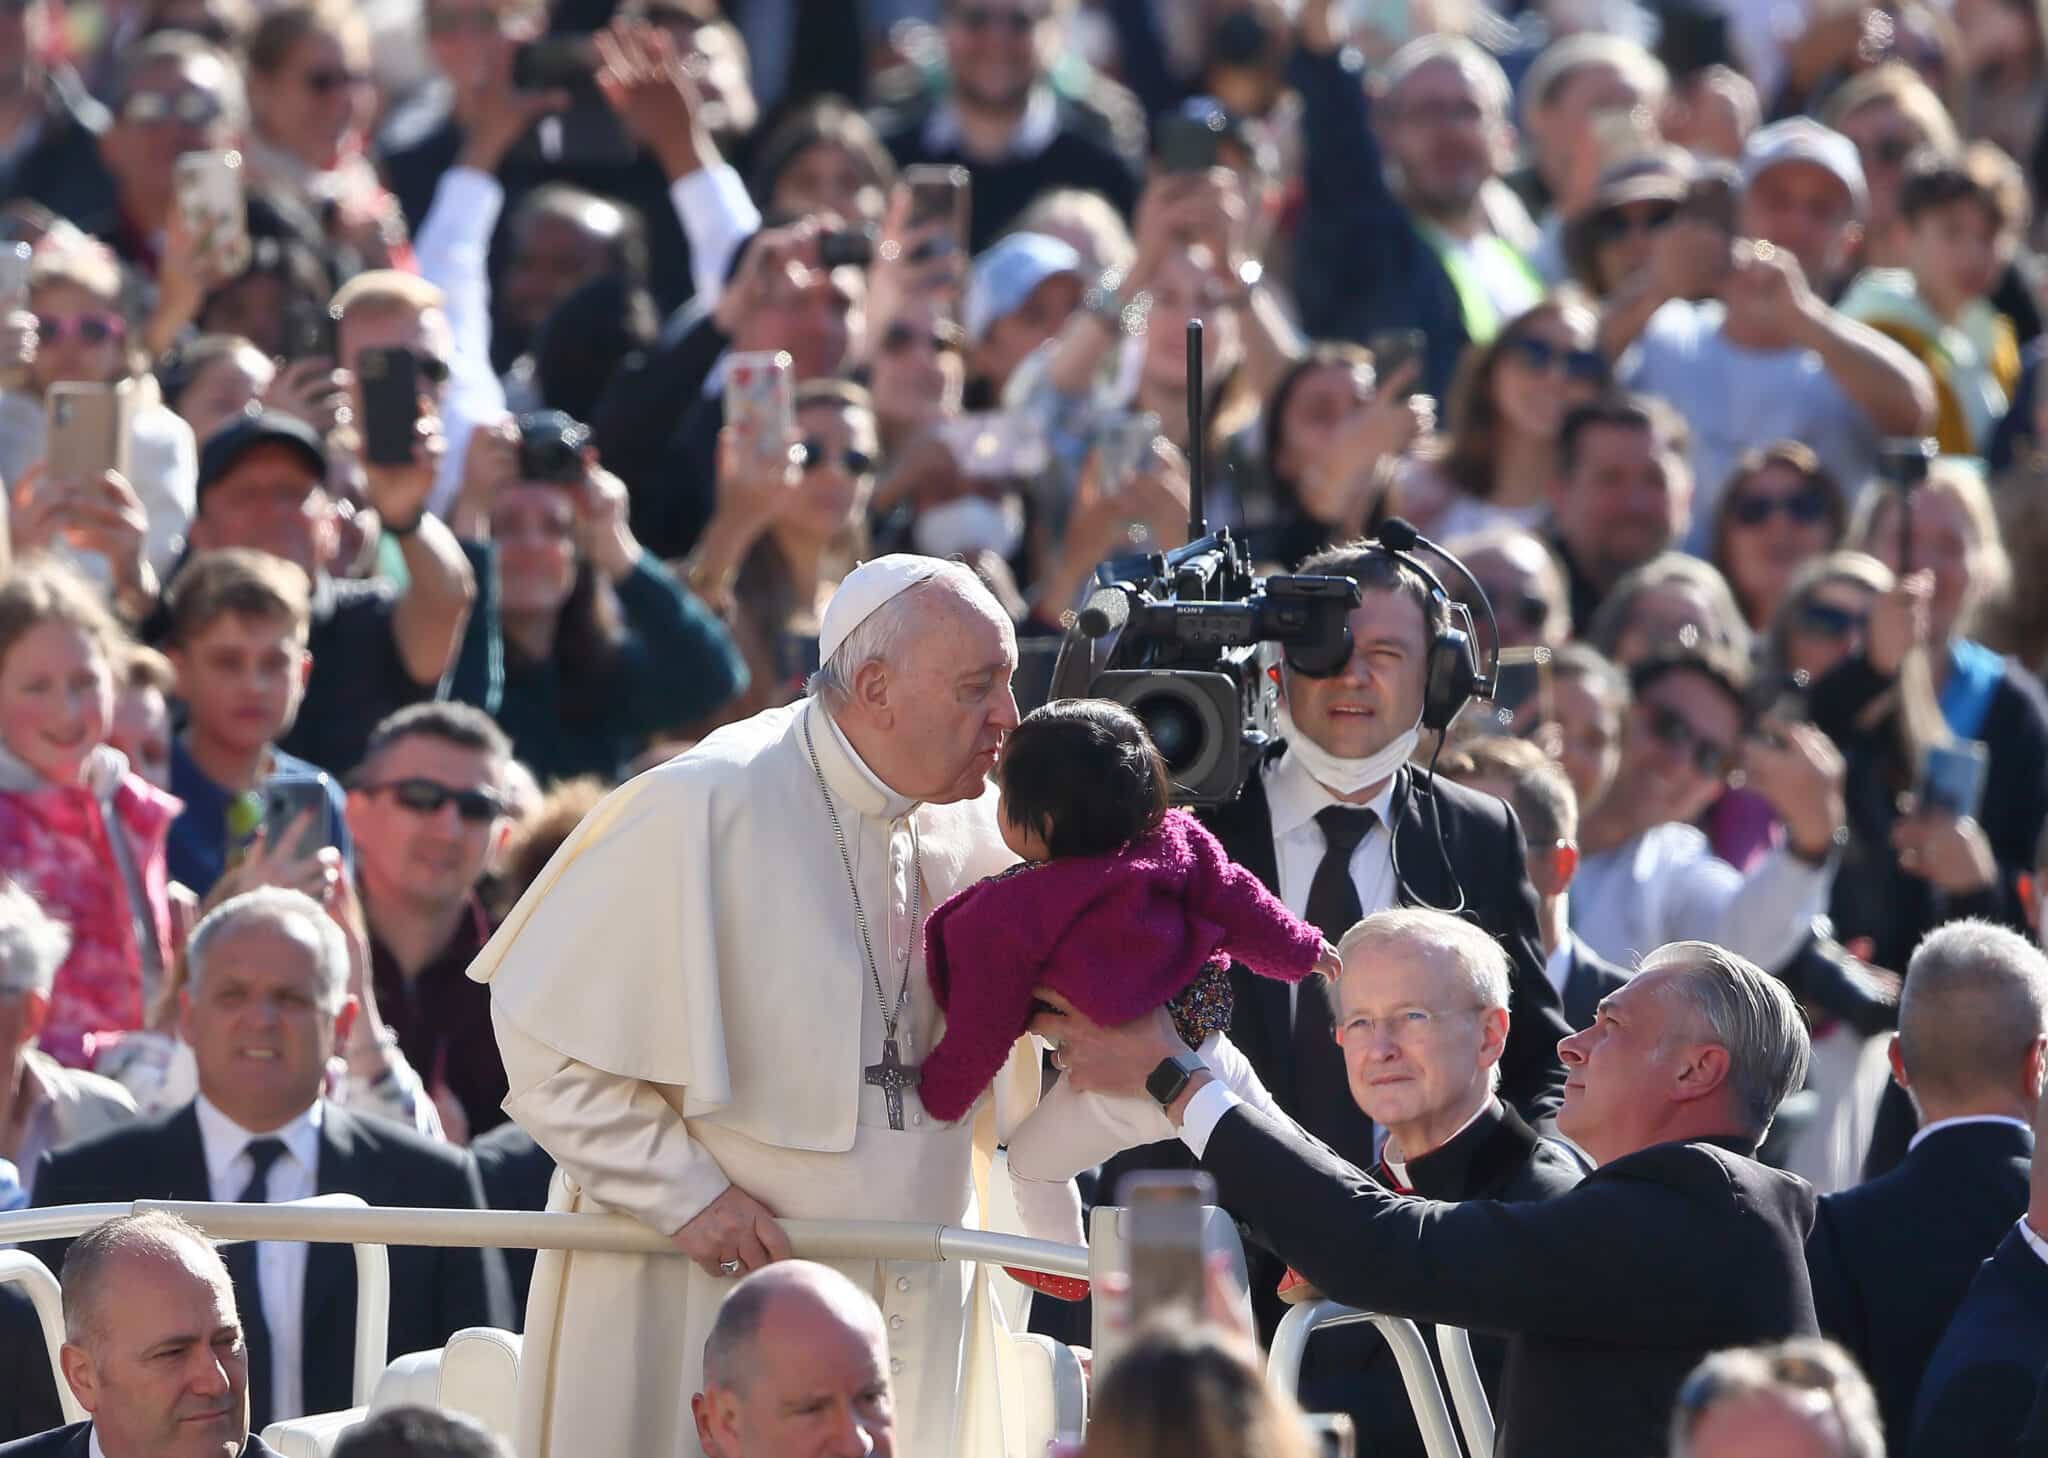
1329, 966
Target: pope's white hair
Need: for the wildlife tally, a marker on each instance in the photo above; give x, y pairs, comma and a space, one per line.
880, 636
33, 944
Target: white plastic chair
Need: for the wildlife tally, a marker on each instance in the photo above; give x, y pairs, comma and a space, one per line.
1411, 1353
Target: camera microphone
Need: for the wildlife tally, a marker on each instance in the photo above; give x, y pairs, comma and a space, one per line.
1398, 535
1108, 609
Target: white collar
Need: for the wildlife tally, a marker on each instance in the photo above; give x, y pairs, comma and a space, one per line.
2033, 1240
92, 1443
224, 1140
1293, 796
1956, 1123
1035, 131
1557, 967
848, 774
1398, 1168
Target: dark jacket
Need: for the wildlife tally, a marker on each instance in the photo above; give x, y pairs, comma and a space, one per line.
75, 1441
63, 171
1361, 266
1608, 1294
1891, 1259
28, 1389
1591, 978
434, 1292
1497, 1158
658, 430
1980, 1384
516, 1174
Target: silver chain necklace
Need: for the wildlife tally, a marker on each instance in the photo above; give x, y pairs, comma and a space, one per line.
891, 1075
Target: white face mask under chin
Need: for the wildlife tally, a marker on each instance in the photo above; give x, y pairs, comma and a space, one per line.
1347, 776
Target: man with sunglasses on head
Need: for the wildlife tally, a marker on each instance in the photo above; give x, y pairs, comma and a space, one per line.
427, 812
1738, 334
1647, 875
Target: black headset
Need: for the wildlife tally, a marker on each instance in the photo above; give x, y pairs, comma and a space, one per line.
1452, 676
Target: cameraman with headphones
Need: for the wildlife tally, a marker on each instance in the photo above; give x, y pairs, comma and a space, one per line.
1339, 825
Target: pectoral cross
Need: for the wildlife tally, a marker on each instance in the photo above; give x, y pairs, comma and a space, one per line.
892, 1075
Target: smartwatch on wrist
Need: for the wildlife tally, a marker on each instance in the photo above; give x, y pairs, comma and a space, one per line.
1166, 1082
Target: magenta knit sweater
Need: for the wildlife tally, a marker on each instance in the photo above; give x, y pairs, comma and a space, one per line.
1118, 935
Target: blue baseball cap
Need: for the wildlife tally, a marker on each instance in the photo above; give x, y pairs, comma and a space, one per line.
1007, 272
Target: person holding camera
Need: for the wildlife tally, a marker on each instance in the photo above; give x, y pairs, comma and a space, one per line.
603, 647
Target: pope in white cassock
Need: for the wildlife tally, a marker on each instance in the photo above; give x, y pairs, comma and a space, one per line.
702, 1003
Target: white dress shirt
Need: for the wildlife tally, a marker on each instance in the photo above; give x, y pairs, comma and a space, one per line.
1940, 1124
1293, 797
1667, 885
2034, 1242
280, 1267
1557, 967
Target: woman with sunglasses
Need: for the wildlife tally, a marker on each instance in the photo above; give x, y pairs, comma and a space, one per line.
312, 101
1609, 243
74, 332
783, 535
1779, 511
603, 647
1506, 404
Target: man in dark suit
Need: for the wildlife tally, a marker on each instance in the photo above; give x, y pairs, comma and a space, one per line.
28, 1395
1891, 1259
516, 1174
1980, 1383
1422, 1016
1678, 1244
263, 1006
152, 1348
1537, 789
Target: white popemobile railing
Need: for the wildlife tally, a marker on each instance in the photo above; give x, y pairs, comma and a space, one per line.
345, 1219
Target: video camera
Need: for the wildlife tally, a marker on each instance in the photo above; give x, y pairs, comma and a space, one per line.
1184, 640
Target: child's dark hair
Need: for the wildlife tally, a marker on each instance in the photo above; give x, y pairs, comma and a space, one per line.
1981, 174
1083, 775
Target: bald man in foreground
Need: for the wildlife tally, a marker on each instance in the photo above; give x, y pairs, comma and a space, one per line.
796, 1366
153, 1348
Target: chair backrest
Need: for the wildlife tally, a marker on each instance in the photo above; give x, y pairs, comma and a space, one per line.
1045, 1392
476, 1374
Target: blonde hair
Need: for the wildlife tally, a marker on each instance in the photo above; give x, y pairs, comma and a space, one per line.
1188, 1390
384, 291
1990, 567
47, 590
1902, 86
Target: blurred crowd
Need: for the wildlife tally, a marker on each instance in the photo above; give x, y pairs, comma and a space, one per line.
418, 415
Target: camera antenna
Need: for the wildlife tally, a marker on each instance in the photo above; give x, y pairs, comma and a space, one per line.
1198, 521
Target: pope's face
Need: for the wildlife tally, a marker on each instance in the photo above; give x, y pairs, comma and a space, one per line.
948, 704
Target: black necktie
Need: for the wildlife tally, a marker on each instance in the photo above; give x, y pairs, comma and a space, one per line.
1322, 1092
241, 1264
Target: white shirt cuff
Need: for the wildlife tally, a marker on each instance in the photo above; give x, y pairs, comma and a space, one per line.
1204, 1112
717, 215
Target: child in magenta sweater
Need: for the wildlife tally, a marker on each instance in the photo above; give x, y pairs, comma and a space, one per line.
1120, 905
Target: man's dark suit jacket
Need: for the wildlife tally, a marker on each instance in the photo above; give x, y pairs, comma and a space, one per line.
28, 1391
1891, 1259
1497, 1158
75, 1441
516, 1174
1980, 1385
1608, 1293
1591, 978
434, 1292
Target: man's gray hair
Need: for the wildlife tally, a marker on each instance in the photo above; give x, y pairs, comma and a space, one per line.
879, 637
1974, 1004
1749, 1013
1474, 60
154, 1233
33, 943
276, 907
1475, 951
729, 1356
1564, 59
1806, 1372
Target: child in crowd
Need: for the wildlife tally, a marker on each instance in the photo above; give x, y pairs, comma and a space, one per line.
143, 684
1961, 217
1120, 905
237, 637
81, 832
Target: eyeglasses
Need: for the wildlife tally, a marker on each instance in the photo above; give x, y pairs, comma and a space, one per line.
1409, 1026
89, 329
1825, 620
900, 336
426, 797
1618, 223
1584, 366
988, 17
327, 80
432, 368
1807, 508
1669, 728
816, 457
192, 107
